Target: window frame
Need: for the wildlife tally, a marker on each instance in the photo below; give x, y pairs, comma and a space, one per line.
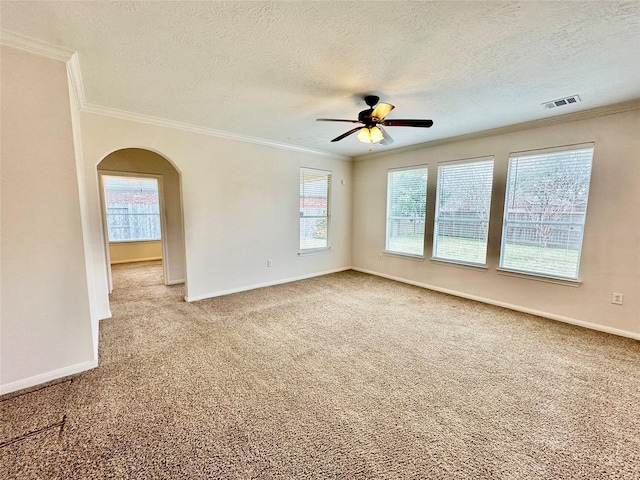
327, 216
441, 167
545, 276
104, 174
390, 171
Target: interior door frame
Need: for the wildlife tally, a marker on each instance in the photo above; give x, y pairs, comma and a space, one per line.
163, 220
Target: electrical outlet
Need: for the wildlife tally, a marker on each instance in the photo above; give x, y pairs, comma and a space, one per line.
617, 298
269, 263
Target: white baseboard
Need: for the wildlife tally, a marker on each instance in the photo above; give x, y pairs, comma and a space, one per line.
47, 376
105, 315
262, 285
175, 282
510, 306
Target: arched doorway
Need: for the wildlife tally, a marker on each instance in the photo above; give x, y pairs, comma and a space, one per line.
148, 168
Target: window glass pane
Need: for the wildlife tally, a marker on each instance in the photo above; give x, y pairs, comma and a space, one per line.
545, 210
133, 211
315, 186
462, 211
406, 205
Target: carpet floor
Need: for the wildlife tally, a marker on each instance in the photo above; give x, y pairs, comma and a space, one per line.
345, 376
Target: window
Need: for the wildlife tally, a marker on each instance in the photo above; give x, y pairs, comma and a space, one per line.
406, 205
463, 204
133, 212
315, 186
545, 209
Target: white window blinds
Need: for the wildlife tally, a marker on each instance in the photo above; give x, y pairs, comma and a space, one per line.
545, 210
133, 211
315, 188
463, 204
406, 205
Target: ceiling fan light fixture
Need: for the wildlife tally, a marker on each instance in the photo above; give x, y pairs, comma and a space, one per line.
376, 135
370, 135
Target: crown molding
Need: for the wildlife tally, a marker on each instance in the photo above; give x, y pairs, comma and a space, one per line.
543, 122
74, 73
70, 57
22, 42
188, 127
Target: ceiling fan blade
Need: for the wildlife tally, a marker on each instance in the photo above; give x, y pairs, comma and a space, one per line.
407, 123
382, 110
336, 120
386, 138
347, 134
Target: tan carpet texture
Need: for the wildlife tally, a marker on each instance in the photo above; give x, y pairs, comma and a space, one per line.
345, 376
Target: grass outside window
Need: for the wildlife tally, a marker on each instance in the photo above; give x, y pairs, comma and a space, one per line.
523, 255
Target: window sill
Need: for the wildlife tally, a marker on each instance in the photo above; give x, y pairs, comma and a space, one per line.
454, 263
124, 242
314, 251
408, 256
540, 278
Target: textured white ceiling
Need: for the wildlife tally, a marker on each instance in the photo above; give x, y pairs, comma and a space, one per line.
269, 69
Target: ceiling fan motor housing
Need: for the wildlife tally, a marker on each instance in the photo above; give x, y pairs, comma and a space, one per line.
365, 117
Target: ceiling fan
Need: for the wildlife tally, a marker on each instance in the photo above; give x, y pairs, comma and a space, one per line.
373, 123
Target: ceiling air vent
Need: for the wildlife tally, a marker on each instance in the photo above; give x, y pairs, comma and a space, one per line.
562, 101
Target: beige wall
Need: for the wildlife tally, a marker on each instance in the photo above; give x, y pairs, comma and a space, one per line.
136, 160
240, 203
45, 324
611, 251
126, 252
